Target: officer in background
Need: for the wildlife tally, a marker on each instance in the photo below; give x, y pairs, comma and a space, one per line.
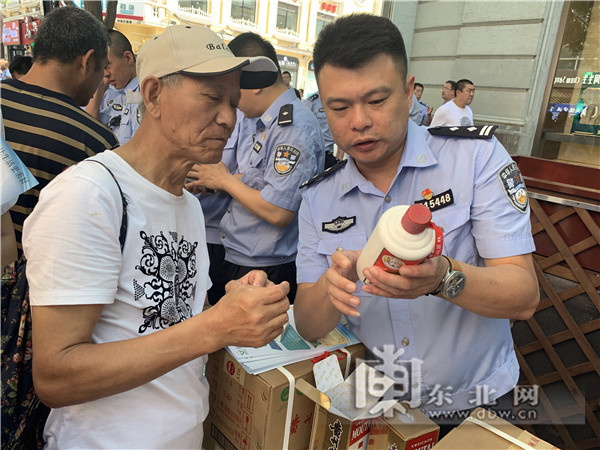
260, 228
424, 109
116, 101
315, 104
215, 205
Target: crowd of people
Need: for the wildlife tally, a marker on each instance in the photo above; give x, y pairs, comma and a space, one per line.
455, 111
183, 206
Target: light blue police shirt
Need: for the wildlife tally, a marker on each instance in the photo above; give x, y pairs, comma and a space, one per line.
315, 104
215, 205
281, 158
422, 113
459, 350
122, 102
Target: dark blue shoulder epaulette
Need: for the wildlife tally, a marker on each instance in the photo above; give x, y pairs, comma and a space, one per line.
313, 97
324, 174
474, 132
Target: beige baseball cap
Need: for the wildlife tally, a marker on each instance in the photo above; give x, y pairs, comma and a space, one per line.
198, 51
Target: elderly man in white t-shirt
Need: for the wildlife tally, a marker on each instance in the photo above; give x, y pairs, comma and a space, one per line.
456, 112
120, 332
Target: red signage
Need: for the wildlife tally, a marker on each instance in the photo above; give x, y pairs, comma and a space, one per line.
329, 7
10, 33
29, 27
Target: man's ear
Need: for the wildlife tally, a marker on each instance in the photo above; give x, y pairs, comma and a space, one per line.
88, 62
129, 57
410, 86
151, 90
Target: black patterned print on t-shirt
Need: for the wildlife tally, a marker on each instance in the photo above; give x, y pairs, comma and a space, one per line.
171, 264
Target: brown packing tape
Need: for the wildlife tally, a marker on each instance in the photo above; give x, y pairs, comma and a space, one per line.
500, 433
484, 429
323, 399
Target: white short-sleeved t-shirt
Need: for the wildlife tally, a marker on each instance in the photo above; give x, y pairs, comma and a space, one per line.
158, 280
449, 115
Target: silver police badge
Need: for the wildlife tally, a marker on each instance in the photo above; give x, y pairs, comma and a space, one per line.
514, 186
286, 158
339, 224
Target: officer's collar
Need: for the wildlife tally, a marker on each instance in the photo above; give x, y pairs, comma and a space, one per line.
416, 150
131, 86
416, 154
272, 111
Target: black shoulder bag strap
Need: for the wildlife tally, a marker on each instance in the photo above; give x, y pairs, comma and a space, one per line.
123, 231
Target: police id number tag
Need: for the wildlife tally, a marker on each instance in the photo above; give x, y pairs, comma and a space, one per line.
436, 202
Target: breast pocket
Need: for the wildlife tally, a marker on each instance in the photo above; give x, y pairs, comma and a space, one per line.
254, 174
351, 240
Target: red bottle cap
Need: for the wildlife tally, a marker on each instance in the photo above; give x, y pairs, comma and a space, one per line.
416, 218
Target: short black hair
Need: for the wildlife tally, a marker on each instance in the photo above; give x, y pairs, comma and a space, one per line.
452, 84
286, 71
420, 85
119, 44
462, 83
67, 33
352, 41
21, 65
251, 44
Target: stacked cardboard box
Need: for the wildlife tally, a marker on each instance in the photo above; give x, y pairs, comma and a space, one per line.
485, 430
250, 411
348, 413
406, 430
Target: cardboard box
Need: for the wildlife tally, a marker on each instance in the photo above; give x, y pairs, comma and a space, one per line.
249, 411
344, 408
484, 430
409, 430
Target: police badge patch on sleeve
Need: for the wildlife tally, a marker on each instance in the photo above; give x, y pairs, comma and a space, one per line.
286, 158
514, 186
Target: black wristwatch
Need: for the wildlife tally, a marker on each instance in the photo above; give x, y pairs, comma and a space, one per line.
453, 282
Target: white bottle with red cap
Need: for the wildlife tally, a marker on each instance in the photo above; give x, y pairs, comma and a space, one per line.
404, 235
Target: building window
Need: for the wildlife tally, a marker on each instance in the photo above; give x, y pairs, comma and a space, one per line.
571, 123
244, 10
287, 17
322, 21
197, 5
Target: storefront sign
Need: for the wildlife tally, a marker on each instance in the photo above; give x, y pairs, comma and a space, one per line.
29, 28
329, 7
588, 120
10, 33
128, 11
288, 62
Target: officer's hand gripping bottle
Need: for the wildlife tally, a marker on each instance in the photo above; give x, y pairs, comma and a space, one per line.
404, 235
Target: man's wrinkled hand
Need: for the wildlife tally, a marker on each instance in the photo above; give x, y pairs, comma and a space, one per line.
252, 315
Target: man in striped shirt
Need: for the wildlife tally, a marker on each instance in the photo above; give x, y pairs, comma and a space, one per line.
41, 112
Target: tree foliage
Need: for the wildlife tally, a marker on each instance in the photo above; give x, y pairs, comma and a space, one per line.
95, 8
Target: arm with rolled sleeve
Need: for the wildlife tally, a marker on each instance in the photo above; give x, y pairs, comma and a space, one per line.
279, 199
